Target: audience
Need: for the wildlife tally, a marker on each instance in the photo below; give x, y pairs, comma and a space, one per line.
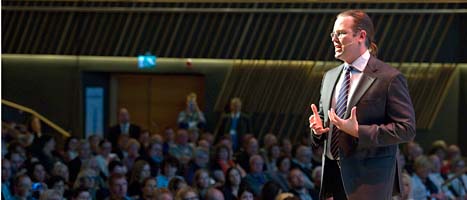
189, 163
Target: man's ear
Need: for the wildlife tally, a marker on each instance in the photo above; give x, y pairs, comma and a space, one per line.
362, 35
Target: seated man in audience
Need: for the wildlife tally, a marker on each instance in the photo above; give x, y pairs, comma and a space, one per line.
22, 187
182, 150
118, 186
256, 178
302, 161
297, 184
123, 127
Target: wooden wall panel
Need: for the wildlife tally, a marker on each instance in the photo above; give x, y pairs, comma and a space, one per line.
154, 101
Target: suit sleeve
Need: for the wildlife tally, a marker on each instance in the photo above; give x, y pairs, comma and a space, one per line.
318, 140
400, 118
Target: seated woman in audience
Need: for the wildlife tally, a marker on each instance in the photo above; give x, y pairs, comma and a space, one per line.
58, 183
132, 153
71, 148
147, 188
232, 184
459, 185
61, 170
273, 152
281, 174
201, 182
423, 187
176, 184
141, 170
87, 179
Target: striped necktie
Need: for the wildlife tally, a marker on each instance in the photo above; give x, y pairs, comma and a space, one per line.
341, 107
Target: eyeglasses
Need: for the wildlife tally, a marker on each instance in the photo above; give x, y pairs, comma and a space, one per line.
339, 34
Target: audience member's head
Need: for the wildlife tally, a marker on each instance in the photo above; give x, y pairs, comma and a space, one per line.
162, 194
36, 172
117, 167
22, 186
214, 194
60, 169
252, 146
316, 175
256, 164
283, 164
118, 186
51, 195
201, 179
435, 163
245, 193
57, 183
149, 184
170, 166
182, 137
453, 152
422, 166
269, 140
233, 178
94, 140
187, 193
439, 148
123, 116
304, 154
296, 180
81, 194
270, 190
141, 170
176, 183
201, 157
84, 150
235, 105
457, 166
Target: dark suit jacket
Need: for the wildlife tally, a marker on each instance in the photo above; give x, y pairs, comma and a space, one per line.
386, 118
244, 125
115, 131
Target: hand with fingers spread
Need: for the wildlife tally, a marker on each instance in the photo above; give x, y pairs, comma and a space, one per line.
316, 124
349, 126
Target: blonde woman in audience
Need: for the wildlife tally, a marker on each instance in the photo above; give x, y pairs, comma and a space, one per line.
201, 182
132, 150
87, 179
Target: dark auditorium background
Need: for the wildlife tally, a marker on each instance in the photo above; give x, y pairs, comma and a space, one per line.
271, 54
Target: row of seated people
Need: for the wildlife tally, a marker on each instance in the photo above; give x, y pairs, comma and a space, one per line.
175, 155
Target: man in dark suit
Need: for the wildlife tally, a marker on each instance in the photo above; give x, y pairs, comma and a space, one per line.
365, 111
123, 127
235, 123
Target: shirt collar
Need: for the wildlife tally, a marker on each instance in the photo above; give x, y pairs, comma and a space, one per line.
361, 62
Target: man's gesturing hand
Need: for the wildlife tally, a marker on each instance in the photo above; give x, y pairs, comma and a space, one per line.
315, 122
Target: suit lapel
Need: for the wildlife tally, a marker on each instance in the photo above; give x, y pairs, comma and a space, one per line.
328, 87
366, 80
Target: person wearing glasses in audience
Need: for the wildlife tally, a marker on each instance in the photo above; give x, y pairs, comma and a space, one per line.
364, 112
